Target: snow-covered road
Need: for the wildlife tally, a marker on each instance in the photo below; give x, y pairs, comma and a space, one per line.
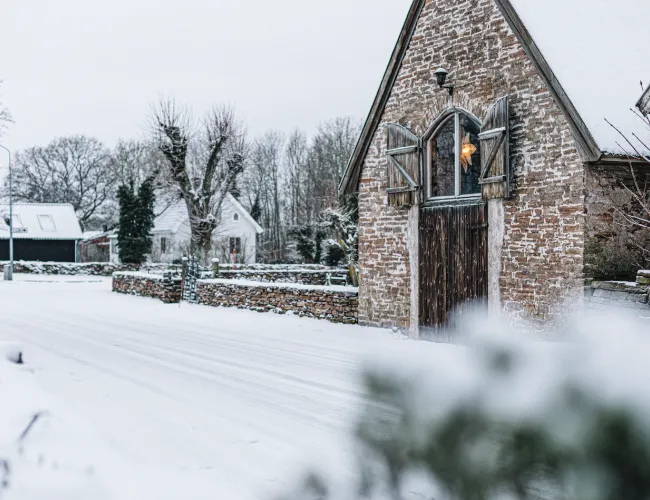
237, 402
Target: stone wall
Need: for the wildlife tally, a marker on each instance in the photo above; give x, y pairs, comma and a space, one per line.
165, 287
336, 304
613, 246
304, 276
627, 295
542, 259
85, 269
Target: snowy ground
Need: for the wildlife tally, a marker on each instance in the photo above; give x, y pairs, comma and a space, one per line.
234, 402
59, 278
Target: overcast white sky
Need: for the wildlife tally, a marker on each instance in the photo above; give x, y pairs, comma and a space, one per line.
94, 66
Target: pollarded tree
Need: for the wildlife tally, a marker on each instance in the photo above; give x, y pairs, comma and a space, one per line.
75, 170
203, 161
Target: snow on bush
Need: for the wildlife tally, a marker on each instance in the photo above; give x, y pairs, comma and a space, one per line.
12, 352
506, 418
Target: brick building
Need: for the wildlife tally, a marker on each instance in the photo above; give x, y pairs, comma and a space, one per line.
497, 178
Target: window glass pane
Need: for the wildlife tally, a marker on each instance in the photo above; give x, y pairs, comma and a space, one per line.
46, 222
442, 161
18, 223
470, 156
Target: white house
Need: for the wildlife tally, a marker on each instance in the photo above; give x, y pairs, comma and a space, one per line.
234, 239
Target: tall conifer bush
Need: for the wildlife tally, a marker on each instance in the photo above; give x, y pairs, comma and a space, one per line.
136, 222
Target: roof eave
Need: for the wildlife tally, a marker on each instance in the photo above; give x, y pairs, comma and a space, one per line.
585, 142
644, 103
349, 182
242, 211
608, 158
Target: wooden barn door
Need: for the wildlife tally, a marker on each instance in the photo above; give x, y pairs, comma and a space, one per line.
453, 264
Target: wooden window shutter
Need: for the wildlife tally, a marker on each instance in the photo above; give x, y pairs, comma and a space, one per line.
403, 153
495, 151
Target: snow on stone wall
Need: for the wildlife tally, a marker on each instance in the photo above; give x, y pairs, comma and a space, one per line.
164, 287
295, 275
280, 273
334, 303
634, 296
85, 269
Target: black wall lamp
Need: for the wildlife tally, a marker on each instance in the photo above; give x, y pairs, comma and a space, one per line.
441, 78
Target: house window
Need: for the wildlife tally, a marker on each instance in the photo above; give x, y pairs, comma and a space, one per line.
235, 217
18, 223
163, 245
46, 222
454, 155
113, 244
235, 245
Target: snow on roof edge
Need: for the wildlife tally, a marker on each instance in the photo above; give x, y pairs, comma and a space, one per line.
245, 213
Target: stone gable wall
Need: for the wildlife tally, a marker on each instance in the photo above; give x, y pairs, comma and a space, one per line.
542, 262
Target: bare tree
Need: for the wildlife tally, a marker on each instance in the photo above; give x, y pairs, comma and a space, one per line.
75, 170
136, 161
629, 195
290, 182
328, 156
5, 117
202, 163
264, 193
295, 189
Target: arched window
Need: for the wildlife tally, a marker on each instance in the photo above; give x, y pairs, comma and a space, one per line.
236, 217
454, 157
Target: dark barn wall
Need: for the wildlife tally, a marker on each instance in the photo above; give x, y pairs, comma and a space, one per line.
614, 247
40, 250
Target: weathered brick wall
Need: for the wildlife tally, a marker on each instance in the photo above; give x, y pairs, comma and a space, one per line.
306, 277
335, 304
544, 228
164, 287
614, 246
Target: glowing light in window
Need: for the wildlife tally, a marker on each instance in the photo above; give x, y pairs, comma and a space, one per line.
466, 152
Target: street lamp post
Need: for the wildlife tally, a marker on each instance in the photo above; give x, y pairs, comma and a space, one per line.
9, 275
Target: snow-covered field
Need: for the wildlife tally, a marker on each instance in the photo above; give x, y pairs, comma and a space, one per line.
201, 402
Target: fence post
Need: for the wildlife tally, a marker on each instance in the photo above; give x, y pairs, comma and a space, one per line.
215, 268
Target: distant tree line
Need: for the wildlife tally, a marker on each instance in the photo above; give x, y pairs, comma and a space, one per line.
290, 186
289, 183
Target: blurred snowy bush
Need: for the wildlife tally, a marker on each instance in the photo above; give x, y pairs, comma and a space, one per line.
504, 418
